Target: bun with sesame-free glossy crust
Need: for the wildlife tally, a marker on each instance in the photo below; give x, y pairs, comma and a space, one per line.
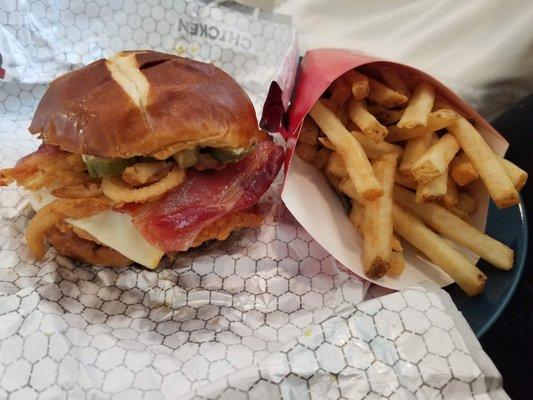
145, 103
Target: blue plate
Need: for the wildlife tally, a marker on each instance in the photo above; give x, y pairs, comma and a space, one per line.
509, 226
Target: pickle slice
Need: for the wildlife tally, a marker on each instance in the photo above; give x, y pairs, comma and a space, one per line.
229, 155
99, 167
186, 158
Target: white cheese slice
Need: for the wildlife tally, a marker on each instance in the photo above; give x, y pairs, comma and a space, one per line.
110, 228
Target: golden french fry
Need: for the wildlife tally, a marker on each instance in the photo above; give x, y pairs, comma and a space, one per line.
347, 187
340, 91
352, 153
336, 165
357, 216
326, 143
432, 190
462, 170
419, 107
459, 213
404, 180
466, 203
396, 245
414, 149
377, 221
516, 174
385, 115
486, 163
467, 275
368, 124
306, 151
333, 180
436, 120
358, 84
343, 115
309, 132
373, 149
435, 160
383, 95
442, 104
322, 157
451, 198
394, 80
454, 228
397, 264
340, 110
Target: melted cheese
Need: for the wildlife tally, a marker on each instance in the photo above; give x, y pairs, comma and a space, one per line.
110, 228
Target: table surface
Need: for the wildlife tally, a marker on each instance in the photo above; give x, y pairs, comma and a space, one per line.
508, 342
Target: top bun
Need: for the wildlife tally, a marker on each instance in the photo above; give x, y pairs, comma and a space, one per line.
145, 103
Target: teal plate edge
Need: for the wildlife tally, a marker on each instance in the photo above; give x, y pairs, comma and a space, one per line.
510, 227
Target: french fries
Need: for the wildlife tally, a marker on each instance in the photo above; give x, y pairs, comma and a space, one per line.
462, 170
432, 190
321, 158
397, 261
383, 95
373, 149
394, 80
442, 104
397, 264
356, 161
435, 160
309, 132
368, 124
467, 275
358, 83
395, 243
436, 120
414, 149
385, 115
416, 189
340, 91
516, 174
419, 107
357, 216
336, 166
347, 187
377, 223
324, 141
466, 203
403, 180
451, 197
486, 163
446, 223
306, 151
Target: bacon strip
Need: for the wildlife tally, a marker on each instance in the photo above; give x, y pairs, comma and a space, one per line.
172, 222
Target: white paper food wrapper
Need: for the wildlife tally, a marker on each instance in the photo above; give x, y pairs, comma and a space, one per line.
266, 313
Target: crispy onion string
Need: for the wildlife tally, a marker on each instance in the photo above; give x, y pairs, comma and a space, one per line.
58, 210
120, 192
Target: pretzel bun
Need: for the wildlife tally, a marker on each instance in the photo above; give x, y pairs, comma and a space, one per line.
145, 103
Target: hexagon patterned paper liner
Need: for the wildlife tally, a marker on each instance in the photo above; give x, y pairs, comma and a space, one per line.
312, 201
257, 315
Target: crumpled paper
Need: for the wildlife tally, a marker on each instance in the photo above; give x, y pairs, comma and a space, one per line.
265, 313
